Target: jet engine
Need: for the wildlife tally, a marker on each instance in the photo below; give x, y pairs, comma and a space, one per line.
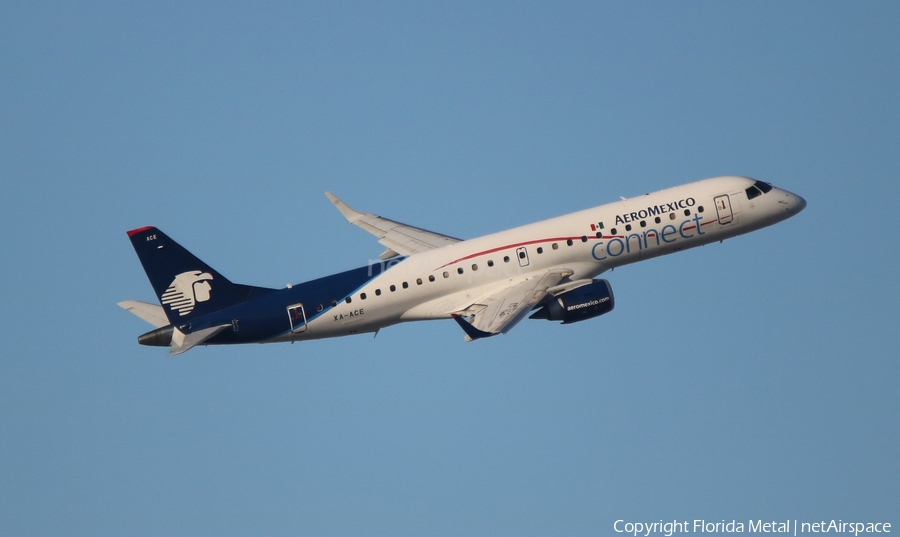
585, 302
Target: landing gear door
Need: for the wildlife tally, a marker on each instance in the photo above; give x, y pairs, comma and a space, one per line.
723, 209
297, 315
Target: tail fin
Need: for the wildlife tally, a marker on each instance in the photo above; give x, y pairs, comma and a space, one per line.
186, 287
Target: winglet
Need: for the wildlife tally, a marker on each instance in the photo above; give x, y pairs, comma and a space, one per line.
350, 214
399, 238
472, 332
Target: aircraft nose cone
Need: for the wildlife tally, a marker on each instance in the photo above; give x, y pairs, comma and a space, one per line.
790, 202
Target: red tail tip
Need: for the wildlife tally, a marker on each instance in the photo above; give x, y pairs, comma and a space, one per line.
138, 230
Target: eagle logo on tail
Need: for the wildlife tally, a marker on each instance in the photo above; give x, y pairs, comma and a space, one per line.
186, 290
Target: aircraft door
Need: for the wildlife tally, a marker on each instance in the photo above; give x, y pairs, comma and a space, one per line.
522, 256
297, 315
723, 209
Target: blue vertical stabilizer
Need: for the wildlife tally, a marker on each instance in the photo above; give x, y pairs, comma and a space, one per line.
185, 286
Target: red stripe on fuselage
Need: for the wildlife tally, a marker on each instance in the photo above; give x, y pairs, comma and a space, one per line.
578, 238
516, 245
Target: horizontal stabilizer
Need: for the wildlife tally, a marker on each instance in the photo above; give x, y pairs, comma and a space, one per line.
182, 342
152, 313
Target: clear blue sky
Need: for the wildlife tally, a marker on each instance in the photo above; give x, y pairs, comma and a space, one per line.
757, 378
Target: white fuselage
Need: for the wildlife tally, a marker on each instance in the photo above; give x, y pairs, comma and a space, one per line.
436, 283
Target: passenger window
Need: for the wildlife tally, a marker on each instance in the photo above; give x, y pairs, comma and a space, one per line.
362, 296
613, 231
569, 242
506, 259
599, 235
490, 263
658, 219
431, 278
347, 300
699, 210
333, 303
671, 216
643, 223
418, 281
627, 227
474, 266
687, 212
521, 255
555, 246
377, 292
393, 288
584, 238
459, 270
405, 285
540, 250
320, 307
446, 274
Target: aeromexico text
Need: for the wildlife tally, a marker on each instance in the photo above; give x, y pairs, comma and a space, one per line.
655, 210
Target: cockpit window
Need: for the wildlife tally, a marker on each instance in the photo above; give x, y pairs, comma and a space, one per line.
758, 189
765, 187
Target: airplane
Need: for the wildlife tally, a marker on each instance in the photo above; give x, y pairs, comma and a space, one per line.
487, 285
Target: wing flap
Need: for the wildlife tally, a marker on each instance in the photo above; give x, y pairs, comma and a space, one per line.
397, 237
506, 308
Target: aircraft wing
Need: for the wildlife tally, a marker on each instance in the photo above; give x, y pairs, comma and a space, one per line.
504, 309
400, 239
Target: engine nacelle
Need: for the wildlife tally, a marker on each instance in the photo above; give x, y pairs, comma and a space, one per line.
582, 303
161, 337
